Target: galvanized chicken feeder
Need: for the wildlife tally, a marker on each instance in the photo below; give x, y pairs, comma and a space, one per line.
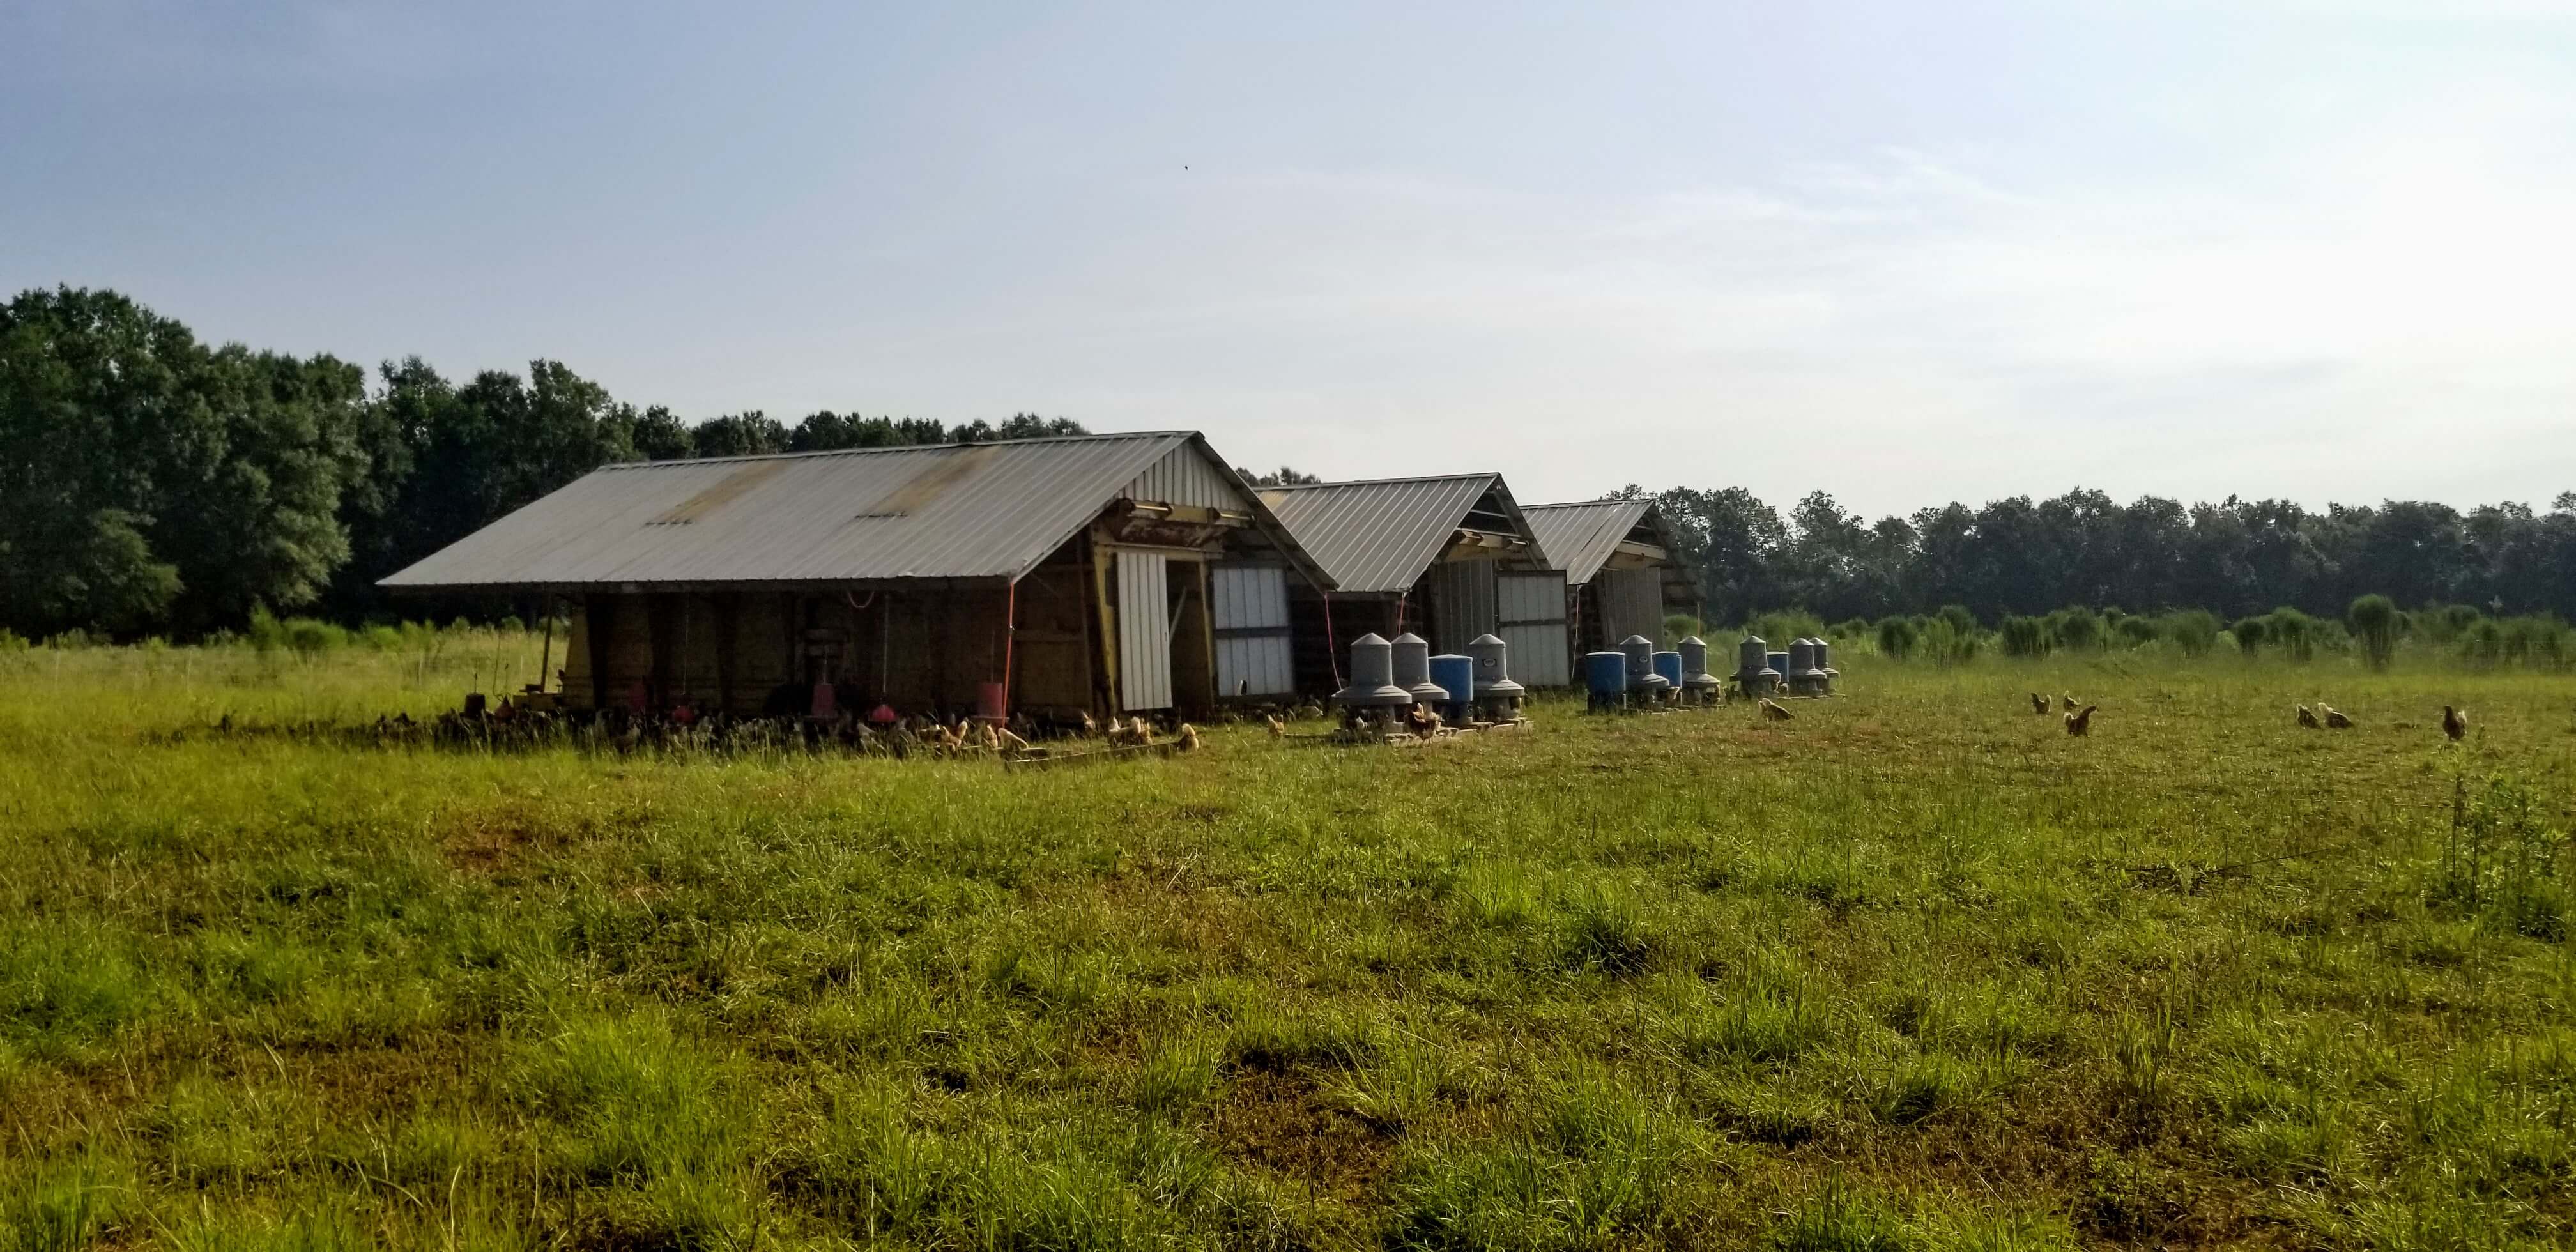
1413, 669
1804, 677
1753, 669
1698, 685
1372, 677
1496, 694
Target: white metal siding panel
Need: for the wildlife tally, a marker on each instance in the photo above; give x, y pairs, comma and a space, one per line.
1632, 603
1185, 477
1251, 623
1532, 609
1463, 604
1144, 631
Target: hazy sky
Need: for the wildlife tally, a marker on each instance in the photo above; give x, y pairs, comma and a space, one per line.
1903, 252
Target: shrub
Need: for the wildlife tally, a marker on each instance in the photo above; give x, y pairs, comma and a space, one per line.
2482, 643
2250, 633
12, 641
2076, 629
1962, 622
2195, 631
266, 633
1849, 630
1897, 637
2137, 632
1780, 626
2374, 626
2023, 636
310, 637
2294, 632
1945, 643
1678, 626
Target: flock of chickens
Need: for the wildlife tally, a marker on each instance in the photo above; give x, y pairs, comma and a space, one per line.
2455, 721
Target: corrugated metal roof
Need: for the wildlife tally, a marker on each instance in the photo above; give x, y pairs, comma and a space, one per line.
1579, 537
1379, 536
944, 511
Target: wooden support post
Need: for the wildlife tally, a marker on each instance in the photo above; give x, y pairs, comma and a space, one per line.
599, 615
728, 608
1103, 614
546, 658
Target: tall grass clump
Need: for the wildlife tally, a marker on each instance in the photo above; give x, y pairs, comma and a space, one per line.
2024, 637
2076, 629
1898, 637
1780, 626
2250, 634
2295, 633
2373, 621
2501, 859
2194, 631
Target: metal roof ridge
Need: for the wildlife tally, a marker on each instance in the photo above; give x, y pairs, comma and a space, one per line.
1379, 482
899, 447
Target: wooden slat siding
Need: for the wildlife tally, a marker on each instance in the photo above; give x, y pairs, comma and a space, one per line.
1185, 477
1251, 624
1464, 604
1533, 623
1144, 631
1632, 603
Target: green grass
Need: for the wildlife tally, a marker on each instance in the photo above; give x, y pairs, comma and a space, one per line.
1915, 970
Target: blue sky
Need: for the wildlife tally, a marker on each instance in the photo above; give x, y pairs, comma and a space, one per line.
1901, 252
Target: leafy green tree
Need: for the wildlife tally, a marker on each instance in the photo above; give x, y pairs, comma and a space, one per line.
740, 434
659, 435
1284, 476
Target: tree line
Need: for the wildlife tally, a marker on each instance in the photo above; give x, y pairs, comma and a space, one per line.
151, 483
2022, 557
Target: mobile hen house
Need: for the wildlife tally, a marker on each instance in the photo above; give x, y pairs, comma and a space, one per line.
1621, 574
1448, 558
1108, 574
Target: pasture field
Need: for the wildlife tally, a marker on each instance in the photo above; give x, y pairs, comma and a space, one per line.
1914, 970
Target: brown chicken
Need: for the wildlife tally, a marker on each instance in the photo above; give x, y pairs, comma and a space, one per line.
1771, 709
2069, 698
2080, 724
1278, 729
2335, 719
2307, 718
2039, 704
1189, 738
2455, 723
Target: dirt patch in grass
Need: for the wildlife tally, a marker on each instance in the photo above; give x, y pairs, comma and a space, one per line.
499, 843
1282, 1123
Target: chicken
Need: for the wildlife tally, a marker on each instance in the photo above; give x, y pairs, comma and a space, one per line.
948, 740
2080, 724
2335, 719
1089, 726
2039, 704
1189, 738
2069, 698
1010, 741
1278, 729
2455, 723
1421, 720
2306, 718
1771, 709
1139, 731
